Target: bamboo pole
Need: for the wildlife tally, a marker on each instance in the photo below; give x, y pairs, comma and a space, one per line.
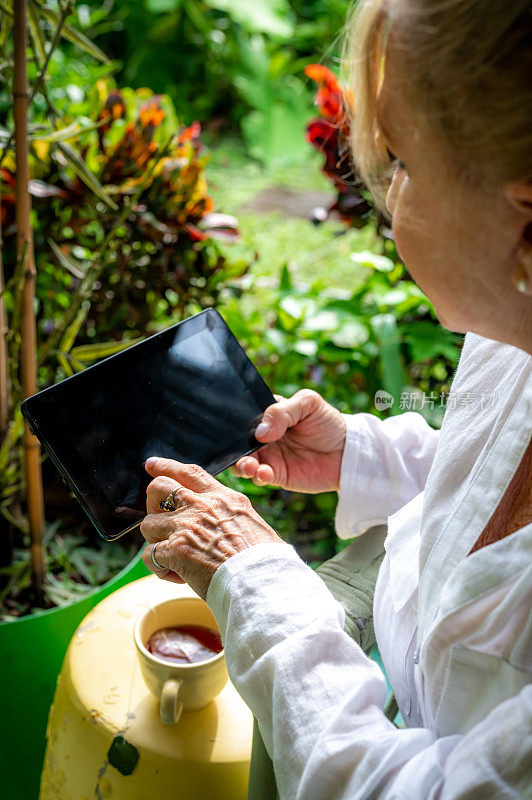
32, 449
4, 369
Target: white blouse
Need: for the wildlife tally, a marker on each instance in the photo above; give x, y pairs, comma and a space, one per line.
454, 630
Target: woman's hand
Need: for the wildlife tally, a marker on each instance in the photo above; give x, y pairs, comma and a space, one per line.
305, 439
211, 523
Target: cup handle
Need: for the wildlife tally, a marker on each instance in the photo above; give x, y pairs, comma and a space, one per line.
170, 707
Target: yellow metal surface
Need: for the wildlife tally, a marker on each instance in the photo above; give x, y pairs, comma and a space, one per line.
105, 737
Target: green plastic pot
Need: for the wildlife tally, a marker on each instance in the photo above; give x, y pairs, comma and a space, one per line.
31, 654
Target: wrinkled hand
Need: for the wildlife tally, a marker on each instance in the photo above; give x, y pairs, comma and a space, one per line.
304, 443
211, 523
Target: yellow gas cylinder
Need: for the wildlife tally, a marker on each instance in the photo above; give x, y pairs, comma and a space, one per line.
105, 737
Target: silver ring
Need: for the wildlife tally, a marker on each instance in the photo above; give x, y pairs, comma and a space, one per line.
154, 560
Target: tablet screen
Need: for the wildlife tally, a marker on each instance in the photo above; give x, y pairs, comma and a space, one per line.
188, 393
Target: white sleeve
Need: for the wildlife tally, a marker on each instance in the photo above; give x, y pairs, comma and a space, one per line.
319, 700
384, 465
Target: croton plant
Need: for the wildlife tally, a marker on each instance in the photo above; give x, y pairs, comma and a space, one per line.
164, 253
125, 243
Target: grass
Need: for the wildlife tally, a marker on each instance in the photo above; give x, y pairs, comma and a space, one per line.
274, 237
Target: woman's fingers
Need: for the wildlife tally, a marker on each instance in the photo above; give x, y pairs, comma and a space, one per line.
189, 475
158, 489
260, 472
246, 467
156, 527
165, 573
285, 414
161, 488
264, 475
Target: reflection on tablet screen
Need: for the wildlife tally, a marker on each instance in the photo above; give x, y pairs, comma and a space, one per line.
189, 393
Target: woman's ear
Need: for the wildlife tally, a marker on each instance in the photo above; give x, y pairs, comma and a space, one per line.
519, 194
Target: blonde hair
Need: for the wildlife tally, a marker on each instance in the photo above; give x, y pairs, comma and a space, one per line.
468, 65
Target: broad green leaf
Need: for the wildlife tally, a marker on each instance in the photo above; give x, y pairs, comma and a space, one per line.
294, 306
367, 259
263, 16
307, 347
428, 340
162, 6
87, 353
351, 334
322, 321
391, 362
71, 33
67, 261
275, 130
89, 178
274, 136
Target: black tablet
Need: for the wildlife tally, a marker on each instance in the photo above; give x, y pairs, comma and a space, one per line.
189, 393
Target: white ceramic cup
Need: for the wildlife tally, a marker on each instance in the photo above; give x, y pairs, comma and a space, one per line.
179, 686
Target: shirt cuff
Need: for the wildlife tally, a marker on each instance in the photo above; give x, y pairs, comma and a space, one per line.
359, 444
239, 563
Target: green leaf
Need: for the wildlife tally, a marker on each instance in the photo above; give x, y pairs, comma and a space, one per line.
262, 16
367, 259
285, 281
36, 32
67, 261
72, 131
391, 362
162, 6
306, 347
87, 353
351, 334
63, 361
428, 340
71, 33
89, 178
73, 329
274, 136
294, 306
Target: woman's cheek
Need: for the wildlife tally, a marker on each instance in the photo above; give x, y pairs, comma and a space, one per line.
406, 226
401, 229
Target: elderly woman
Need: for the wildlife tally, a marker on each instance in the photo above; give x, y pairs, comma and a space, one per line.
443, 89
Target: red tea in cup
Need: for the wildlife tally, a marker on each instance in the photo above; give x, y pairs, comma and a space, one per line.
185, 644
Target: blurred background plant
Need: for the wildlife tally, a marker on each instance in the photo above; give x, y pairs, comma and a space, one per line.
128, 238
120, 280
247, 58
123, 229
